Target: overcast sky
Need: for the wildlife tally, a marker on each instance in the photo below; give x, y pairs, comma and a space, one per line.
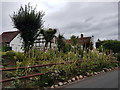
99, 19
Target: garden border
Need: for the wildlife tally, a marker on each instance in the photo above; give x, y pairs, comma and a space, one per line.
37, 74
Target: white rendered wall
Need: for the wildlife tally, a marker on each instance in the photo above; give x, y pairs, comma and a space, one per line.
16, 44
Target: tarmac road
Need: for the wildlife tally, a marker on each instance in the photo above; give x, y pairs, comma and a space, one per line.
104, 80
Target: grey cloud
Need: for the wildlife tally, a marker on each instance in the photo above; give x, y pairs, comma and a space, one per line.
7, 9
110, 17
89, 19
77, 26
98, 19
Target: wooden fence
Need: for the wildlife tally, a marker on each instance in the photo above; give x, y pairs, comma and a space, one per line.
37, 74
34, 66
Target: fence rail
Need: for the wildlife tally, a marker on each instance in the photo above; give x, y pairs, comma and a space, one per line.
32, 75
23, 77
41, 65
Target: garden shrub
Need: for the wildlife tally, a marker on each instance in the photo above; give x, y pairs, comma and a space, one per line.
10, 74
44, 56
67, 48
3, 53
36, 54
17, 83
10, 54
118, 56
43, 80
20, 56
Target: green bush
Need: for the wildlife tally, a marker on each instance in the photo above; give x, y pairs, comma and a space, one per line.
20, 56
67, 47
3, 53
43, 80
118, 57
10, 54
36, 54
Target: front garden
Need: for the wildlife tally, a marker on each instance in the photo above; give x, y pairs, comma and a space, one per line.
91, 62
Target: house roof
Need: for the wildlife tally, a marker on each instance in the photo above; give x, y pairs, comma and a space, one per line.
84, 39
80, 40
7, 37
68, 41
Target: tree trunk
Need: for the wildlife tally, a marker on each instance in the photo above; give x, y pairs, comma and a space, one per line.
50, 44
46, 44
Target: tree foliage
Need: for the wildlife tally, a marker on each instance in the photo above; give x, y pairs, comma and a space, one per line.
74, 40
67, 47
4, 47
29, 22
113, 45
48, 35
60, 43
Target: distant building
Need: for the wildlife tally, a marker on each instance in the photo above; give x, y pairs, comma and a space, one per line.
40, 43
85, 41
13, 40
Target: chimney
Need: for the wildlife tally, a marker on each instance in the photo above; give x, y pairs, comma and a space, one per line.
81, 35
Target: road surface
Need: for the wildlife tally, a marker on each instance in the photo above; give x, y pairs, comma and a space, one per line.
104, 80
